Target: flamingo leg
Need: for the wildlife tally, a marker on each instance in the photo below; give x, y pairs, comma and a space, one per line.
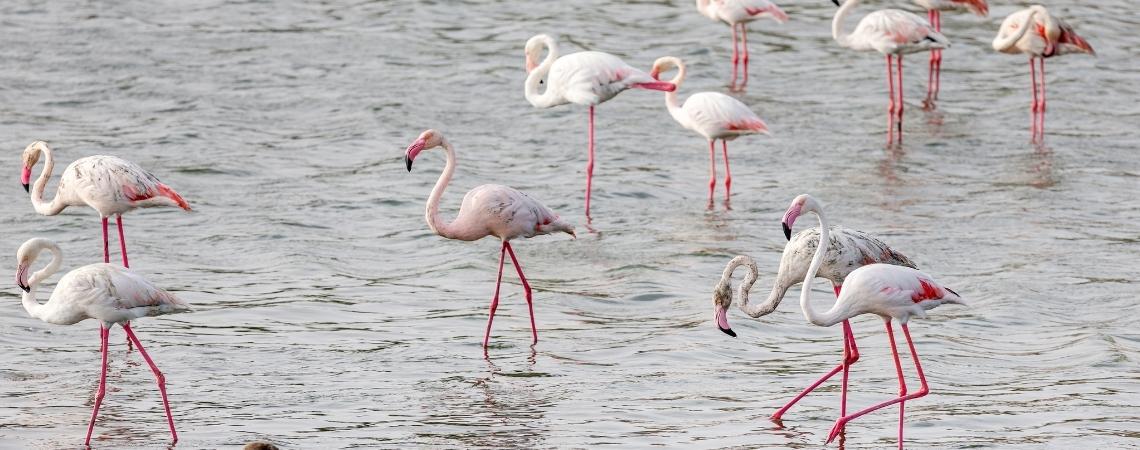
727, 173
495, 299
122, 240
104, 334
744, 46
899, 105
158, 377
106, 244
526, 289
929, 102
590, 162
1041, 109
903, 396
712, 170
938, 57
735, 58
1033, 106
891, 102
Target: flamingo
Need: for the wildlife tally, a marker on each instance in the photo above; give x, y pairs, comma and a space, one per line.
934, 10
712, 115
736, 14
893, 33
108, 184
105, 292
848, 250
1050, 37
487, 210
584, 78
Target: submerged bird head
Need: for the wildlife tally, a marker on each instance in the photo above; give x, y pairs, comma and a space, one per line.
31, 157
801, 204
428, 140
27, 255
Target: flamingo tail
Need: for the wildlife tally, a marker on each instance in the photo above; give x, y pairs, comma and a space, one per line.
169, 193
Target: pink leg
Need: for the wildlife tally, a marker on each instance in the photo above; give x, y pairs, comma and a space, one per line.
526, 288
938, 56
104, 334
922, 391
891, 102
1041, 109
744, 47
1033, 106
122, 240
735, 59
899, 105
495, 299
158, 377
712, 171
106, 244
727, 173
590, 162
929, 102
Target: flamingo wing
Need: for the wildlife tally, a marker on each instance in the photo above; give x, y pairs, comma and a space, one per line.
110, 180
718, 116
508, 213
590, 78
736, 11
115, 294
896, 31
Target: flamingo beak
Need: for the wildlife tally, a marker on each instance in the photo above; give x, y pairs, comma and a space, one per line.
722, 321
530, 64
26, 177
655, 73
413, 150
790, 219
836, 2
21, 276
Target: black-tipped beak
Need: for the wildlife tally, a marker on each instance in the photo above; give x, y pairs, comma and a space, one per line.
26, 188
25, 288
408, 162
836, 2
787, 231
727, 331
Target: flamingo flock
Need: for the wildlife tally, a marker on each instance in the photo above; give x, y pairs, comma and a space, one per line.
867, 275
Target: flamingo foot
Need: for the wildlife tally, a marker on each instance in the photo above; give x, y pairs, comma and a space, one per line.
838, 428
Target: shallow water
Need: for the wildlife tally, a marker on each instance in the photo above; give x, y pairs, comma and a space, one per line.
329, 316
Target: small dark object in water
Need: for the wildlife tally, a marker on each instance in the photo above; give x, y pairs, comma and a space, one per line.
259, 446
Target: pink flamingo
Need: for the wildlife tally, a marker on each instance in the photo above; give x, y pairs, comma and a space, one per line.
108, 184
487, 210
848, 250
712, 115
893, 33
107, 293
737, 14
934, 10
584, 78
1050, 36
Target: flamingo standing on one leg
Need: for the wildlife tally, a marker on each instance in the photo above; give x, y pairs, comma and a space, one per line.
108, 184
712, 115
934, 10
848, 250
584, 78
737, 14
1039, 34
893, 33
104, 292
487, 210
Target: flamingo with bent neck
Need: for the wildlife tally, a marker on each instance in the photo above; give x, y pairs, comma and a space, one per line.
893, 33
712, 115
584, 78
1050, 36
848, 250
105, 292
487, 210
108, 184
737, 14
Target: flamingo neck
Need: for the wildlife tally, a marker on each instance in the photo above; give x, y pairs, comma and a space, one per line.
432, 215
56, 205
1008, 42
549, 97
834, 315
706, 9
837, 23
750, 278
31, 305
671, 101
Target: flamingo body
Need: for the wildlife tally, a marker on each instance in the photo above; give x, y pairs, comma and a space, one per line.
1037, 33
895, 32
978, 7
891, 292
734, 12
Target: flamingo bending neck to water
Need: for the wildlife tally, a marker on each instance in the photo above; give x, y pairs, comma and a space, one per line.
108, 184
893, 33
1035, 32
584, 78
848, 250
104, 292
736, 14
712, 115
934, 10
487, 210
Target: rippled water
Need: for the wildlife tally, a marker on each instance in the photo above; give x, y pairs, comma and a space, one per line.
328, 315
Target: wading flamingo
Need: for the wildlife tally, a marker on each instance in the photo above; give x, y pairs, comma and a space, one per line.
108, 184
487, 210
849, 250
105, 292
712, 115
1039, 34
934, 10
893, 33
736, 14
584, 78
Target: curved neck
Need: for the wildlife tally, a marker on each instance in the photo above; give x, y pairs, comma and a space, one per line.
434, 220
837, 22
706, 9
548, 97
33, 307
671, 101
832, 316
46, 208
1009, 41
745, 286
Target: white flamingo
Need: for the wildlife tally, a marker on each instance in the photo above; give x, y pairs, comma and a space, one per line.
934, 10
487, 210
108, 184
893, 33
736, 14
105, 292
848, 250
583, 78
712, 115
1035, 32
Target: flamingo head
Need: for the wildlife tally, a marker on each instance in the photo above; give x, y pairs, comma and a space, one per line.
27, 255
534, 48
665, 64
428, 140
722, 299
801, 204
31, 157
